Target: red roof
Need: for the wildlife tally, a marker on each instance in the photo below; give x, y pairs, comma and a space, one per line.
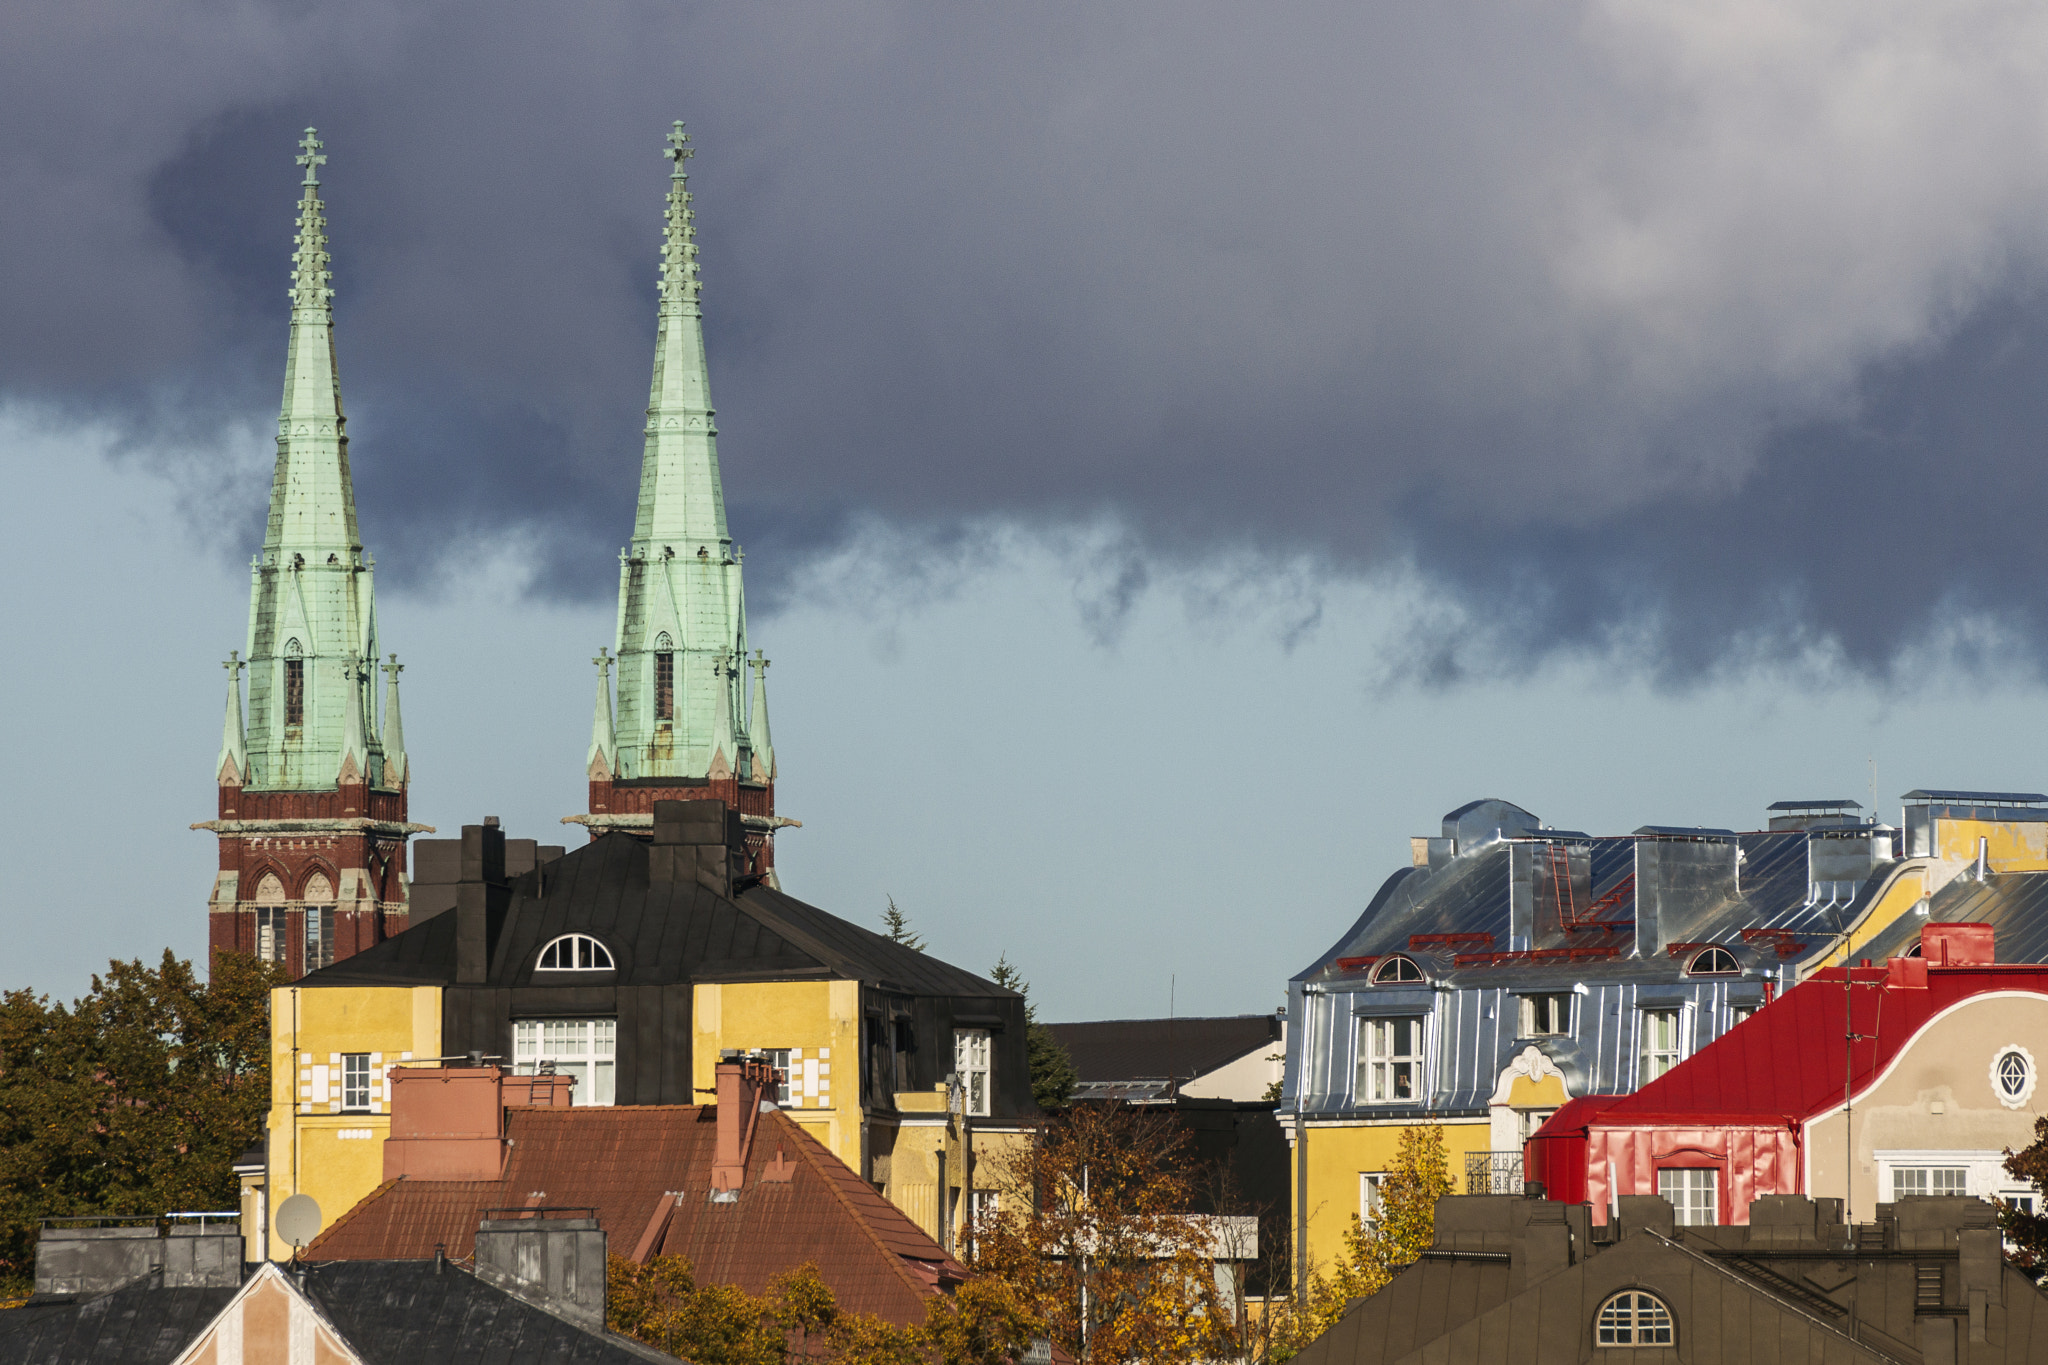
1784, 1064
626, 1161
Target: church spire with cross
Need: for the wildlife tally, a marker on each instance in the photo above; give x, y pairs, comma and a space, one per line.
681, 727
312, 812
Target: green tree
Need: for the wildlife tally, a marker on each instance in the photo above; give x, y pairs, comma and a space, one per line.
133, 1100
896, 928
1053, 1077
1377, 1251
2028, 1232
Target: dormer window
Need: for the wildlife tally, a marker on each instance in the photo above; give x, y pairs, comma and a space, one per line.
1397, 970
664, 679
575, 953
1713, 962
294, 684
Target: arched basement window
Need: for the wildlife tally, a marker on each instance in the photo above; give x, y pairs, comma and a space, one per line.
294, 684
1633, 1318
1395, 970
575, 953
664, 678
1714, 962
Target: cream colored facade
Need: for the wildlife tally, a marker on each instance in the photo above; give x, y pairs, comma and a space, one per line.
1937, 1107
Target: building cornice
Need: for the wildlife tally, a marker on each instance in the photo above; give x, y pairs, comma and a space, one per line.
314, 825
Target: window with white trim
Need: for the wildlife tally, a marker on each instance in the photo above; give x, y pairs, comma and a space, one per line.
1397, 970
575, 953
1389, 1061
1546, 1016
1633, 1318
1693, 1193
355, 1081
1713, 962
1660, 1030
970, 1060
1950, 1180
1370, 1184
585, 1049
778, 1057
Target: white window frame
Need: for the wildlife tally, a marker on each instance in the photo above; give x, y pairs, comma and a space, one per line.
585, 954
1379, 1064
1530, 1004
355, 1082
971, 1051
1691, 1191
778, 1057
319, 943
586, 1049
1647, 1055
1370, 1185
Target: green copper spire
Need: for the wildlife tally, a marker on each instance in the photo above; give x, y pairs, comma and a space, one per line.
394, 727
603, 757
312, 607
682, 626
757, 722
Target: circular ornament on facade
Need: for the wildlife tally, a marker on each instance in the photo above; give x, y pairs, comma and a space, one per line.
2013, 1076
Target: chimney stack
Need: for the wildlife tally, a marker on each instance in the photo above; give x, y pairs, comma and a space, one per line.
742, 1081
700, 842
1958, 945
479, 899
554, 1263
448, 1122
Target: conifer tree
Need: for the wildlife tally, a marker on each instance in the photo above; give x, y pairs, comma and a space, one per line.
896, 928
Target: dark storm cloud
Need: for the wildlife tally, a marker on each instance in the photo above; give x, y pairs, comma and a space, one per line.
1702, 328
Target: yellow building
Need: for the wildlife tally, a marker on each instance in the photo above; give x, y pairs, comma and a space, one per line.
1514, 966
617, 970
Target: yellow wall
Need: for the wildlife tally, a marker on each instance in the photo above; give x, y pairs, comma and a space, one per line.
1908, 886
1338, 1154
2013, 845
315, 1148
820, 1020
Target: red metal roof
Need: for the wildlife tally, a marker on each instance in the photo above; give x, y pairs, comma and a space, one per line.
1784, 1064
625, 1162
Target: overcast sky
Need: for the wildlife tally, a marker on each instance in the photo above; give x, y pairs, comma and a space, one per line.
1181, 449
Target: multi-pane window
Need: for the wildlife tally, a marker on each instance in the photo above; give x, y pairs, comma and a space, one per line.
665, 685
1370, 1184
294, 688
355, 1080
585, 1049
1396, 970
319, 937
778, 1057
1546, 1015
1693, 1195
1633, 1318
1714, 962
575, 953
1738, 1013
272, 933
970, 1058
1660, 1042
1389, 1061
1929, 1180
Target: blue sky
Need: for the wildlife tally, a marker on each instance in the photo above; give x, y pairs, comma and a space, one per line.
1181, 450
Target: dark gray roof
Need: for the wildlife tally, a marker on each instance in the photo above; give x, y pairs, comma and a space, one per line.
1110, 1050
659, 934
1976, 798
391, 1312
1815, 805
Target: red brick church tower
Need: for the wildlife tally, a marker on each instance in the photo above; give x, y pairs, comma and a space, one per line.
312, 818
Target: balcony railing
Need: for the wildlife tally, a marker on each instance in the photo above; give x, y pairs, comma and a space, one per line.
1493, 1172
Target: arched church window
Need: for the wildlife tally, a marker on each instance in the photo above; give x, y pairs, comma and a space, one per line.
1395, 970
294, 684
664, 677
271, 931
575, 953
1713, 962
319, 900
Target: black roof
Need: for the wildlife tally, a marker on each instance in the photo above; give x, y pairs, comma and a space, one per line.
1975, 798
391, 1312
1815, 805
659, 934
1155, 1049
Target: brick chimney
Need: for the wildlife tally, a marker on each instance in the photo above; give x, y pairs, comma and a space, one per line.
448, 1122
480, 899
742, 1081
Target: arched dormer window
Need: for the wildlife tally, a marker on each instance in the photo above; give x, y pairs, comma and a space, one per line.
1395, 971
1633, 1318
294, 683
664, 677
575, 953
1713, 962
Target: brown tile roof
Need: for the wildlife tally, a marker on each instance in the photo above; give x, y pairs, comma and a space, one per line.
625, 1162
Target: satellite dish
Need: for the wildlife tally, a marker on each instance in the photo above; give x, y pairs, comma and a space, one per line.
298, 1220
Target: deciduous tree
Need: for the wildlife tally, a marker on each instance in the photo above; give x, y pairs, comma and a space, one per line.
2027, 1233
